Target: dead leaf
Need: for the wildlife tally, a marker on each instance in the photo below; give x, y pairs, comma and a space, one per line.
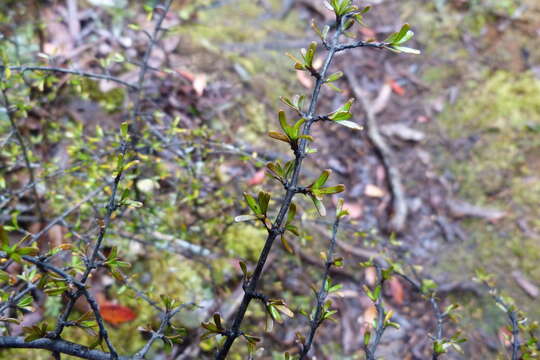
397, 88
318, 62
187, 75
367, 33
305, 79
369, 315
257, 178
116, 314
422, 119
396, 289
355, 209
371, 275
199, 84
373, 191
505, 336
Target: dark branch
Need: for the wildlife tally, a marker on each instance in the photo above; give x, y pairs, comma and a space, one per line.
56, 345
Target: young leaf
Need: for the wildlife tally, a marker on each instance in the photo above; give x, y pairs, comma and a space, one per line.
329, 190
253, 205
241, 218
350, 124
335, 76
322, 179
263, 200
279, 136
319, 205
286, 245
407, 50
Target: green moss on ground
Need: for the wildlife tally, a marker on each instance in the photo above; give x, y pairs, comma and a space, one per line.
500, 170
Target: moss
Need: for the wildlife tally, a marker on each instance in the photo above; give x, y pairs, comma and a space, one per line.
504, 102
499, 170
244, 241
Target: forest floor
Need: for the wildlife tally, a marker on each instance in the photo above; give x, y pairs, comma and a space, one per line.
462, 121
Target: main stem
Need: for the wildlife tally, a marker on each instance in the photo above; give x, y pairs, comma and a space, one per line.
291, 191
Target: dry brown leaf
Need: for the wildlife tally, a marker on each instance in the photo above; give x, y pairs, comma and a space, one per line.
371, 275
199, 84
318, 62
369, 315
257, 178
397, 88
304, 78
505, 336
367, 33
374, 191
397, 291
355, 209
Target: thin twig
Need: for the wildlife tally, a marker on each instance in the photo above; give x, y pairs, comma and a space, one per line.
24, 68
25, 153
323, 293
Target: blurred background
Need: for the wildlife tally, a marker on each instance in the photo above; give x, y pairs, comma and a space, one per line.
462, 121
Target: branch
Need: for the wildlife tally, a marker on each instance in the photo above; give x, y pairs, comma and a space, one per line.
316, 321
153, 40
24, 68
56, 345
24, 150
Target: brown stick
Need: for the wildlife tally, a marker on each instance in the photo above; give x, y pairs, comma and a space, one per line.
385, 153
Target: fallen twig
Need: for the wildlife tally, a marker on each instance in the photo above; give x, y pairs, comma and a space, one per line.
399, 204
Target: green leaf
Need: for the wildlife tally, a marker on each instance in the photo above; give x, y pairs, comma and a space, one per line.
329, 190
319, 205
284, 124
275, 314
289, 103
307, 137
367, 337
341, 116
217, 321
333, 87
322, 179
3, 236
124, 129
253, 205
293, 229
263, 200
396, 37
243, 267
32, 251
408, 36
310, 53
296, 129
286, 245
291, 214
335, 76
